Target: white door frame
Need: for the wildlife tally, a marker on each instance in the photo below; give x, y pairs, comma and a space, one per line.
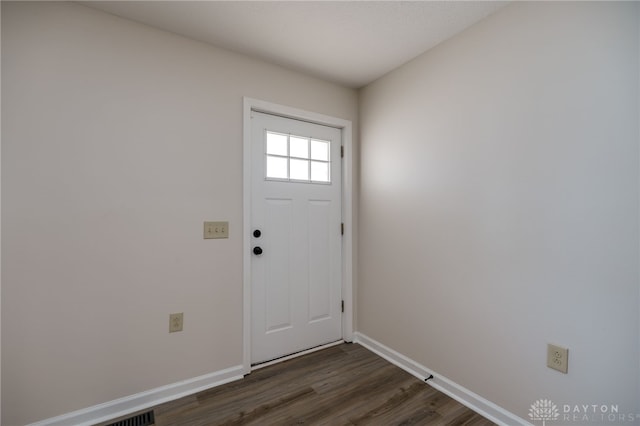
347, 212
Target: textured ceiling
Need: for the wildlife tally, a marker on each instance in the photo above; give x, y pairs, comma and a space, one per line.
348, 42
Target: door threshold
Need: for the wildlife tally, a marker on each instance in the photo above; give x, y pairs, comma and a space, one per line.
295, 355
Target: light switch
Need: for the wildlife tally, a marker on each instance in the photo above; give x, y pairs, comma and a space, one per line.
216, 230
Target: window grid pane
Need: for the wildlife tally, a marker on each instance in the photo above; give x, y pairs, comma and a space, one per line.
320, 150
277, 144
277, 167
299, 147
297, 158
319, 171
299, 169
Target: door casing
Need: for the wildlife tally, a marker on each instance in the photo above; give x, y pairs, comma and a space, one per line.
250, 104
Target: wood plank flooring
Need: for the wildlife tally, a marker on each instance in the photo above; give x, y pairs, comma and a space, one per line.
341, 385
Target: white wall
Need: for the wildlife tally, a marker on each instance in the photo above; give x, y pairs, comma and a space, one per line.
0, 224
118, 141
499, 200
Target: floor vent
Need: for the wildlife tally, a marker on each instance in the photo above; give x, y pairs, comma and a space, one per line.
144, 419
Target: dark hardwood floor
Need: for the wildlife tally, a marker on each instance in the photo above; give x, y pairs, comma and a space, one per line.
341, 385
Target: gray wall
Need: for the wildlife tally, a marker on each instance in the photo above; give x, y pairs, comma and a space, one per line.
118, 142
499, 205
499, 200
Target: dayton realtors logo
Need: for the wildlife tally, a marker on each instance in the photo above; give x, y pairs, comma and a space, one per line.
543, 409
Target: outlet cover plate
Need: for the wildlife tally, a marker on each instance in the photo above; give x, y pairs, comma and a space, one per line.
558, 358
175, 322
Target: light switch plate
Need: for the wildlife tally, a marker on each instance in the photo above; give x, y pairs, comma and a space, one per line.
216, 230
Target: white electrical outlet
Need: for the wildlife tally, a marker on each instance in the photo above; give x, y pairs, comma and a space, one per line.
558, 358
175, 322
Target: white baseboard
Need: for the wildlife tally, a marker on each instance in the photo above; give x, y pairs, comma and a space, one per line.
143, 400
474, 401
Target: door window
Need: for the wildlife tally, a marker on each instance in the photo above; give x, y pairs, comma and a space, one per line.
297, 158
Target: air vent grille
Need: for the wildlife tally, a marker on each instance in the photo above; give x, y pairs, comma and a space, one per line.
144, 419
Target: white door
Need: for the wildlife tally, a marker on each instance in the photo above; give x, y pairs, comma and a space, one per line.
295, 237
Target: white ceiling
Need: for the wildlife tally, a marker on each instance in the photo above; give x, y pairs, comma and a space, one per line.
348, 42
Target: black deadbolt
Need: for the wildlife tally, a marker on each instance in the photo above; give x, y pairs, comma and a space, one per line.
257, 233
257, 250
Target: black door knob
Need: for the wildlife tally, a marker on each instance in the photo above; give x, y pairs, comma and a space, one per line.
257, 250
257, 233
